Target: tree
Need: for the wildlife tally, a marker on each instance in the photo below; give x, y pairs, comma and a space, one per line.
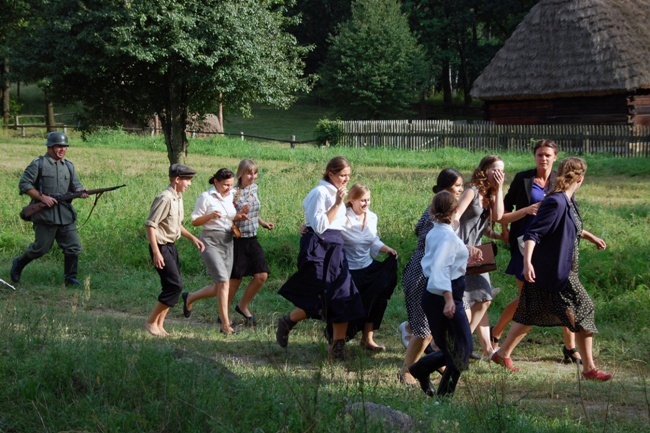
375, 67
14, 16
462, 36
318, 20
125, 60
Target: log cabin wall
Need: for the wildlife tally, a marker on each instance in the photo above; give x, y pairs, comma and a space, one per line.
619, 109
601, 110
639, 108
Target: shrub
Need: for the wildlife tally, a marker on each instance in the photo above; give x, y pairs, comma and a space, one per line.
328, 132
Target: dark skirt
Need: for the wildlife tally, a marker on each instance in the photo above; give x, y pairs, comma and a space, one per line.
376, 283
516, 264
323, 286
248, 258
572, 307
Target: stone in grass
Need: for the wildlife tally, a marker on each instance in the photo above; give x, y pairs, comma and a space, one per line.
389, 419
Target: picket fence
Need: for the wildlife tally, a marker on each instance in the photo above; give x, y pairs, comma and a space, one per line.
615, 140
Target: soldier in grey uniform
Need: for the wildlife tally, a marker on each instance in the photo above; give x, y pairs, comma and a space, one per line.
48, 175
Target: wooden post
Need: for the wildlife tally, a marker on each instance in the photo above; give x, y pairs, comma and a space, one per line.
293, 141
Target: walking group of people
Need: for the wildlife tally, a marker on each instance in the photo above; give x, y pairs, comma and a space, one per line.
339, 278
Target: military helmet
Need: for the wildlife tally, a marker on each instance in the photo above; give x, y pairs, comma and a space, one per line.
57, 138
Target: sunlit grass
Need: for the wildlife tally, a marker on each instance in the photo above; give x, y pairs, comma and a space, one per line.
79, 359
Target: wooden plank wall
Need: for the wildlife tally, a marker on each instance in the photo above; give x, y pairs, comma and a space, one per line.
616, 140
596, 110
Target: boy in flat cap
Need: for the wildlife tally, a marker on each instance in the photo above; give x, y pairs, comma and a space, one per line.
164, 226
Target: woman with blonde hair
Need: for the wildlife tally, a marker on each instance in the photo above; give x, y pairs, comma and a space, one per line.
552, 294
248, 256
375, 280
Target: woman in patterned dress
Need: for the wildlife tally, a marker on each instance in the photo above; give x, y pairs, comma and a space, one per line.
552, 294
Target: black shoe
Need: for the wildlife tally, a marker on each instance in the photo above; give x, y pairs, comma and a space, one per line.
248, 320
187, 313
568, 356
337, 350
423, 379
72, 282
285, 324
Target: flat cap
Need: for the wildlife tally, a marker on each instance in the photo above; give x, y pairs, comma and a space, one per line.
180, 170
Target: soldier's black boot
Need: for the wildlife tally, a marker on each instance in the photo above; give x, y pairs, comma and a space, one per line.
17, 267
70, 270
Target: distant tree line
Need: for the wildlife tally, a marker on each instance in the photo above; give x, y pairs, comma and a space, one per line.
124, 60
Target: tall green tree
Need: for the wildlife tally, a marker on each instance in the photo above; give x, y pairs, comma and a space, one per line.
375, 67
318, 20
127, 59
462, 36
14, 16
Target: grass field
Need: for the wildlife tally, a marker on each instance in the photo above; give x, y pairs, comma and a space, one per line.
80, 360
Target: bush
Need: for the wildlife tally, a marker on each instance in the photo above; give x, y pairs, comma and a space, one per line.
328, 132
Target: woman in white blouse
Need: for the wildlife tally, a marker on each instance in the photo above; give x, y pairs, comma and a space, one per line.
375, 280
215, 212
322, 288
444, 264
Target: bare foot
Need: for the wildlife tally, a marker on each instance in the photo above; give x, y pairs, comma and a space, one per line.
407, 378
164, 332
153, 329
372, 346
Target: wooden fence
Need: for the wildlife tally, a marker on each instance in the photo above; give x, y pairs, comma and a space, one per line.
616, 140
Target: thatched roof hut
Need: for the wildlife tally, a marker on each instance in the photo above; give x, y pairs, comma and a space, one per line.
572, 61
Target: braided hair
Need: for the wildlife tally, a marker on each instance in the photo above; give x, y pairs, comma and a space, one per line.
569, 172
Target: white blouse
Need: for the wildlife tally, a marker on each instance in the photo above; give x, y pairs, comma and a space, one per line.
317, 203
361, 243
210, 201
445, 258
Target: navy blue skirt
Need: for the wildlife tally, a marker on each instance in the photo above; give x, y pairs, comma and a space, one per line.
323, 286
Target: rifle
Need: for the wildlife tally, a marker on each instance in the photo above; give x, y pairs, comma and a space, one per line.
36, 207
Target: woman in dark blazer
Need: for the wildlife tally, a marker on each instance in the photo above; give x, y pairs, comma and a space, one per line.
526, 192
552, 294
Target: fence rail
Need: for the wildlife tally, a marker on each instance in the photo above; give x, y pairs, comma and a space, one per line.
617, 140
